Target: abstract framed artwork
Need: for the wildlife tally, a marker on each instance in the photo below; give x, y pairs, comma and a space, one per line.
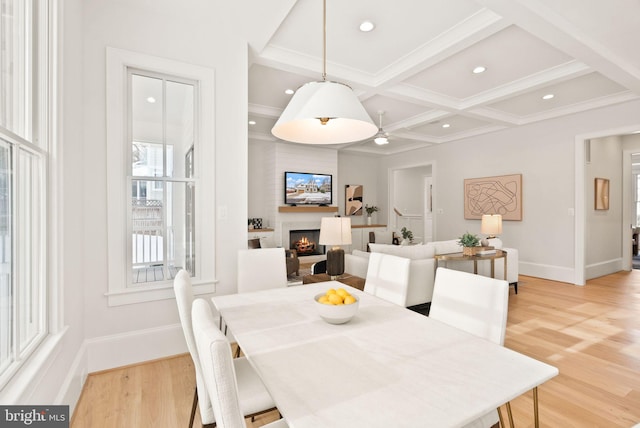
601, 194
353, 199
493, 195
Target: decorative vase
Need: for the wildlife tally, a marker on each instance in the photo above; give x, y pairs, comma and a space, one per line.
468, 251
369, 220
404, 242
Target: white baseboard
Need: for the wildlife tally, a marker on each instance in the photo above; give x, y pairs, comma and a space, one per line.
553, 273
74, 381
133, 347
107, 352
603, 268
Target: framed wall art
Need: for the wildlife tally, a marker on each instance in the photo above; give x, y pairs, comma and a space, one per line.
601, 193
493, 195
353, 199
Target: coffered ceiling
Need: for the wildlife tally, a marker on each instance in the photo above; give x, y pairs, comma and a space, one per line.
417, 64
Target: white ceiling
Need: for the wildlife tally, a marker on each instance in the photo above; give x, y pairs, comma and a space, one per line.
416, 65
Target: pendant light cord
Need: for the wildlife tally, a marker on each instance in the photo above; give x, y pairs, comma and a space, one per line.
324, 40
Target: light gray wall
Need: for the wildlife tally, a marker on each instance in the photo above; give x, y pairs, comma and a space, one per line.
603, 238
363, 170
544, 154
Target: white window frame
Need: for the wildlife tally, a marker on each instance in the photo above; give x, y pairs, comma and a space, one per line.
41, 139
121, 291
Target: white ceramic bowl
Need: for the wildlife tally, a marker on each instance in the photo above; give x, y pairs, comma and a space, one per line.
336, 314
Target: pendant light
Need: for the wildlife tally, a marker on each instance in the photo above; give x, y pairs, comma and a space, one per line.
324, 112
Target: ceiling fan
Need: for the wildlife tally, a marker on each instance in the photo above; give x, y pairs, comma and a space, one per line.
381, 138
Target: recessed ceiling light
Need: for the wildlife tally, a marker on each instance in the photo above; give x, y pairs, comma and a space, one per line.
151, 100
252, 122
446, 125
289, 91
479, 69
367, 26
548, 96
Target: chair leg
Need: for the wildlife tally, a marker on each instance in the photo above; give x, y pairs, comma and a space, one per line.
194, 405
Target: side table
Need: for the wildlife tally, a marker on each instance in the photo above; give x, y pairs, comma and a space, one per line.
351, 280
499, 254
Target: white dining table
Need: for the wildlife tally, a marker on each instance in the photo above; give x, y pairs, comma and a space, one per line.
386, 367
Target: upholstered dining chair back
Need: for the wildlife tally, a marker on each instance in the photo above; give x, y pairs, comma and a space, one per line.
261, 269
476, 304
473, 303
388, 277
184, 298
217, 367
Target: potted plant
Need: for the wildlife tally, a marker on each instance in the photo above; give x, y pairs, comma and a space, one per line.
407, 236
468, 242
370, 210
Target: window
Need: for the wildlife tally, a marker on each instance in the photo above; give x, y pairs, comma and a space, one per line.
24, 149
162, 129
157, 140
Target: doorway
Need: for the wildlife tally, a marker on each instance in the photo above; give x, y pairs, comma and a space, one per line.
411, 191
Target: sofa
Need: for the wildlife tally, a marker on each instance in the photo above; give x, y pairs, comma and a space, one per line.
423, 265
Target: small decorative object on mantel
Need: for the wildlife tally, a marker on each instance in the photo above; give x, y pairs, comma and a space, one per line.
250, 223
407, 236
370, 210
469, 244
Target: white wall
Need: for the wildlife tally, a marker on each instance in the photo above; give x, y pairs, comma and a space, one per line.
363, 170
207, 38
544, 154
603, 238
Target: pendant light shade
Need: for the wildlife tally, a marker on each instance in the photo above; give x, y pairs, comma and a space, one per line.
324, 112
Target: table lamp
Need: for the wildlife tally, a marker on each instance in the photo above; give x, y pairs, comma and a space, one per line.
491, 226
335, 231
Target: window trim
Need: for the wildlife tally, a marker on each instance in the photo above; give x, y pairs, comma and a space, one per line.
45, 134
118, 62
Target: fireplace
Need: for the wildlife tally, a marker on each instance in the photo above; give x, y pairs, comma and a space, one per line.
305, 242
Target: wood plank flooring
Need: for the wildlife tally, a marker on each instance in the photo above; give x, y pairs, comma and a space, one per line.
591, 333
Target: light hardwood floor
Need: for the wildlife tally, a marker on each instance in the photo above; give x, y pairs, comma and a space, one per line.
591, 333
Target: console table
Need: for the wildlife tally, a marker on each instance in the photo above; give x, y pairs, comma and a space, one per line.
499, 254
352, 280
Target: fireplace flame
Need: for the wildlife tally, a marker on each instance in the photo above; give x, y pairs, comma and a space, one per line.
305, 246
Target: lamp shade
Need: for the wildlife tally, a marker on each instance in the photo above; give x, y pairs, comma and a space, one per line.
491, 224
335, 231
304, 120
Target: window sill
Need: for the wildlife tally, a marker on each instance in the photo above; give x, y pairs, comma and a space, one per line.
150, 293
26, 378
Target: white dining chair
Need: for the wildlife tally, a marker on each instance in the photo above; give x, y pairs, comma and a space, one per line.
261, 269
478, 305
254, 397
388, 277
220, 370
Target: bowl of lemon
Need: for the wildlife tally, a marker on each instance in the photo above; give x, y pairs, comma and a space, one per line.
336, 306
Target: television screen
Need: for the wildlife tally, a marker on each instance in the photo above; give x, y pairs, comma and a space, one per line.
303, 188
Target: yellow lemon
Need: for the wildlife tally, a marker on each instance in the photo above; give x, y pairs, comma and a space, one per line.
323, 299
335, 299
349, 300
330, 291
342, 292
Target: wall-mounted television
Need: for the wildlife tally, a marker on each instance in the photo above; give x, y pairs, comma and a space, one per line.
306, 188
